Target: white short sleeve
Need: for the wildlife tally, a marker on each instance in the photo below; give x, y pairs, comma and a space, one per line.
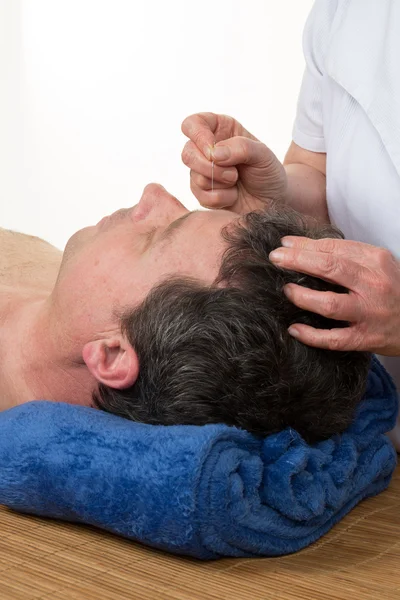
308, 130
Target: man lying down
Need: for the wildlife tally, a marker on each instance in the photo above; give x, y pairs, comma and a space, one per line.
167, 316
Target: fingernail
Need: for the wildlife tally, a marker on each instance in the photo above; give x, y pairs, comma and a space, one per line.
229, 176
288, 243
288, 290
221, 153
294, 332
277, 256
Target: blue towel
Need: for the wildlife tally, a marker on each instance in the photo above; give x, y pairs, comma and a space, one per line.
207, 491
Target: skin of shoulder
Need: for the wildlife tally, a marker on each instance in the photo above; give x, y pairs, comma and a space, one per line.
27, 261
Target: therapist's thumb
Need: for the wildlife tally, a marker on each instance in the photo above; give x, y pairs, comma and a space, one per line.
200, 130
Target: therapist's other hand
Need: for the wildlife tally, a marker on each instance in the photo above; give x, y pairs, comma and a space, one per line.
372, 306
247, 174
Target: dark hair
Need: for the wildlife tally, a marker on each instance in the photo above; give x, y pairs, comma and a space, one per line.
222, 353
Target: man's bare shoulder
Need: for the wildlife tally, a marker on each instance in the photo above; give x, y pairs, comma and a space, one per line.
27, 260
9, 236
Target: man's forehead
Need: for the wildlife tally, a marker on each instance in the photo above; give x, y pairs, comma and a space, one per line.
195, 244
205, 216
175, 225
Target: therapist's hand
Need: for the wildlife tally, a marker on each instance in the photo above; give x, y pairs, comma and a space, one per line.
247, 175
372, 306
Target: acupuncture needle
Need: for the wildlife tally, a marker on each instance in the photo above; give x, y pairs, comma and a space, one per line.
212, 173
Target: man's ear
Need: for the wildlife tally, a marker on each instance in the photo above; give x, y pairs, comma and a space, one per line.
112, 362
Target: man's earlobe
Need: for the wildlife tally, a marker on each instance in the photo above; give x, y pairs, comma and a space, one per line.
112, 362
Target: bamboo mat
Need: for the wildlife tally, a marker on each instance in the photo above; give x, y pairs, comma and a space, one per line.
359, 559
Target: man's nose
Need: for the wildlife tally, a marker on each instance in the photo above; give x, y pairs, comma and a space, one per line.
156, 201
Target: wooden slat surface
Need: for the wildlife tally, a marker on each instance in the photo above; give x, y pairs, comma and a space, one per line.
359, 559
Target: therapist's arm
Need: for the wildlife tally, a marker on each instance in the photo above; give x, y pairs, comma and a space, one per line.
306, 176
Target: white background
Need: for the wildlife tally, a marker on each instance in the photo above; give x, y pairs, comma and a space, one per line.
93, 92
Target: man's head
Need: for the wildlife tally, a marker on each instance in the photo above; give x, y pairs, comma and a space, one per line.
111, 267
198, 332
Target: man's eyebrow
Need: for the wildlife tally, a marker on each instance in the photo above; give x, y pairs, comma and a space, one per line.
172, 227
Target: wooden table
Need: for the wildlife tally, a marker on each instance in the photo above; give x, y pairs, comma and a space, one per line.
359, 559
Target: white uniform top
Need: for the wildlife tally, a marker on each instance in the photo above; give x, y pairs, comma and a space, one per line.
349, 107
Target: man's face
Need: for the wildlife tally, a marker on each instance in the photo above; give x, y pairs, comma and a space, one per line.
115, 264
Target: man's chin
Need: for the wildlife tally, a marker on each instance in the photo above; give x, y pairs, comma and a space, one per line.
77, 241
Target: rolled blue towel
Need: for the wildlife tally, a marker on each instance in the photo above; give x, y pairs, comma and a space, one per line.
207, 491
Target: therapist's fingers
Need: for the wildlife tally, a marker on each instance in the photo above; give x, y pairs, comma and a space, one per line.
329, 267
200, 128
241, 150
372, 307
342, 307
219, 198
227, 155
205, 183
205, 129
347, 248
196, 161
339, 339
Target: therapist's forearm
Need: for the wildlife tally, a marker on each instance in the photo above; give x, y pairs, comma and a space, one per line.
306, 177
307, 190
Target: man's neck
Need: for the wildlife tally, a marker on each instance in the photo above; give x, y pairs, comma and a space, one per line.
38, 360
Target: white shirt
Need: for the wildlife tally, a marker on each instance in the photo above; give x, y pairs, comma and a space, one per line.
349, 107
